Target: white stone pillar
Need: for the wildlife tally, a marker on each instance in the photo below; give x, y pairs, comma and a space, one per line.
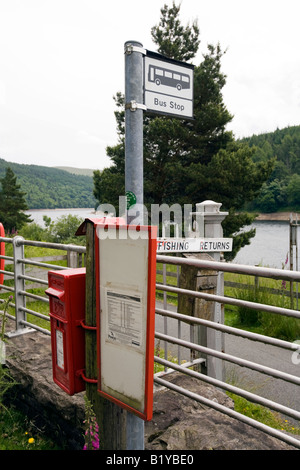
207, 223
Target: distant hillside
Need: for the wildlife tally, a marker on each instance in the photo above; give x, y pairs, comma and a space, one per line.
50, 188
77, 171
282, 191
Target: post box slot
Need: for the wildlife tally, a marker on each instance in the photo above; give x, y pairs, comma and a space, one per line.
57, 294
59, 319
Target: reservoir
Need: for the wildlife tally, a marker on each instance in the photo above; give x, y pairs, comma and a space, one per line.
269, 247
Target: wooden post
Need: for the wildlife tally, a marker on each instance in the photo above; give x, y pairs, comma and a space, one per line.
199, 280
110, 418
72, 259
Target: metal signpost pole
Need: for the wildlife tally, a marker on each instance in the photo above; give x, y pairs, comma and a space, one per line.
134, 177
134, 130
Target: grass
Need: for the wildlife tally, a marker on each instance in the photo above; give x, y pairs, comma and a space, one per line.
269, 292
17, 432
263, 415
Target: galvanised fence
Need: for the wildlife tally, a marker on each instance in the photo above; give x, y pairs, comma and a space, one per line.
174, 329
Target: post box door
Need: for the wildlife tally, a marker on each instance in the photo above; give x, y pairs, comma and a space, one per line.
67, 311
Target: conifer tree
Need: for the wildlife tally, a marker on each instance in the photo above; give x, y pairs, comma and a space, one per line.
189, 161
12, 203
174, 40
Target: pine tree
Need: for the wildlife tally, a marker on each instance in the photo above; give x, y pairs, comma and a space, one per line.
174, 40
189, 161
12, 203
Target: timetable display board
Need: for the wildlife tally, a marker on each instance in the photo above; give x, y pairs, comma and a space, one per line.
125, 291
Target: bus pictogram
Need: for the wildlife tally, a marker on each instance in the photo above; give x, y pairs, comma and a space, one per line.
162, 76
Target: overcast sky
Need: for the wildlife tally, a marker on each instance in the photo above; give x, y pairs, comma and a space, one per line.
61, 62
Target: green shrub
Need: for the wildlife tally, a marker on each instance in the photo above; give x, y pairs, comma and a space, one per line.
61, 231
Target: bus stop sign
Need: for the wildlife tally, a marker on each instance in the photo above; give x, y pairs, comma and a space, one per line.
168, 86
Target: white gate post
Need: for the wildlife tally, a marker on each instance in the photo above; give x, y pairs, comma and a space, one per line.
213, 219
206, 223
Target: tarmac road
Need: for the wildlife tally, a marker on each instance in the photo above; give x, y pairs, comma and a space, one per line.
278, 390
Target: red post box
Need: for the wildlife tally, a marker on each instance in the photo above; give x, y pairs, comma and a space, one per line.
66, 293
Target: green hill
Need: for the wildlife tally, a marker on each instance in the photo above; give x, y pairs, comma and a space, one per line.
50, 188
282, 191
68, 187
77, 171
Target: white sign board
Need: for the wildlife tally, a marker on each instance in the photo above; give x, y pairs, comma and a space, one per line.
168, 85
193, 245
125, 278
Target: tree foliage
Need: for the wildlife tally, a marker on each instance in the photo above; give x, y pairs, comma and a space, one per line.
50, 188
189, 161
172, 38
281, 190
60, 231
12, 203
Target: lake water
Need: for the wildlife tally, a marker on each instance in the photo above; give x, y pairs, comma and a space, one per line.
38, 214
269, 247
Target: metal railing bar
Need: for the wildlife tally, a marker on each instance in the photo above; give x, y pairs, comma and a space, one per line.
34, 313
57, 246
36, 327
192, 363
10, 258
227, 357
9, 273
232, 268
201, 264
231, 301
34, 296
6, 240
8, 315
42, 265
10, 289
228, 329
49, 258
230, 388
230, 412
11, 317
33, 279
184, 365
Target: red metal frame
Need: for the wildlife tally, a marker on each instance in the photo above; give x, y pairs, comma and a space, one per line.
2, 252
146, 415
